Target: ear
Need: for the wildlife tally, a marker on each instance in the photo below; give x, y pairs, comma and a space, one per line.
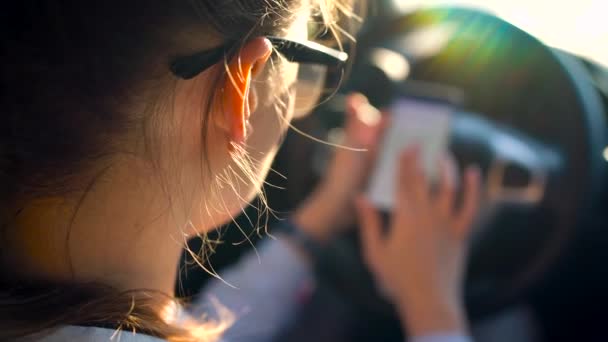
235, 104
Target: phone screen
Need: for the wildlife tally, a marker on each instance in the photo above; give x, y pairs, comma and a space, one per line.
413, 121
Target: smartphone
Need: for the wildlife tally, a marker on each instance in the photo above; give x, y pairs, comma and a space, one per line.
413, 121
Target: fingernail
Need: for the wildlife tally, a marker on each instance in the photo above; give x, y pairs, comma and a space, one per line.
355, 100
360, 98
369, 114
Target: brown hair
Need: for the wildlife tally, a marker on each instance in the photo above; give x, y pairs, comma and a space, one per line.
69, 70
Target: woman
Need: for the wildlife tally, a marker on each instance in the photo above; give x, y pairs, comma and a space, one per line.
130, 127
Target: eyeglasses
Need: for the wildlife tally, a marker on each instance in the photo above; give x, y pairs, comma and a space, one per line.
320, 68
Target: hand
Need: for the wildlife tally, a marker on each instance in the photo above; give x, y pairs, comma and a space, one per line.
420, 261
329, 206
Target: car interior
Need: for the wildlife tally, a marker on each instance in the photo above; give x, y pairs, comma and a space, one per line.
534, 118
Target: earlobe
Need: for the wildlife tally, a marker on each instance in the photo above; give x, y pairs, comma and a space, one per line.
235, 104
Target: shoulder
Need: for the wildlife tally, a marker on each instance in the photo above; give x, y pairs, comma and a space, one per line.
91, 334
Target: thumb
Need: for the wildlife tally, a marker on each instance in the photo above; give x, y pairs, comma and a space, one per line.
354, 103
378, 133
362, 120
371, 231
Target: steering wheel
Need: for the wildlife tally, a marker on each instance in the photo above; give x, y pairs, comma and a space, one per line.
527, 114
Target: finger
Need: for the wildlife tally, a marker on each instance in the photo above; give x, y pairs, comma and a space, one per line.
367, 125
381, 127
352, 107
446, 188
470, 204
371, 230
402, 196
353, 100
362, 122
412, 182
377, 135
355, 105
365, 113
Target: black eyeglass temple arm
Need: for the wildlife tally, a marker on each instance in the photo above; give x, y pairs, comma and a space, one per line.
187, 67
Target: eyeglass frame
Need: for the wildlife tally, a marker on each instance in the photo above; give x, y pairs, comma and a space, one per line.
307, 52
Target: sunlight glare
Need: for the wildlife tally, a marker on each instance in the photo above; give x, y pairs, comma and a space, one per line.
576, 26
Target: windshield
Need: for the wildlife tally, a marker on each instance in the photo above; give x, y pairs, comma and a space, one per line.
576, 26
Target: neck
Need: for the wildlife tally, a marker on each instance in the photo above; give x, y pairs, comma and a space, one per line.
108, 237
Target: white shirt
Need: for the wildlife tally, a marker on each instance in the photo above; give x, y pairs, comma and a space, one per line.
264, 295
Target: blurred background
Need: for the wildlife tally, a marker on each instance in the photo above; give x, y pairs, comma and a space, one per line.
526, 86
578, 26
